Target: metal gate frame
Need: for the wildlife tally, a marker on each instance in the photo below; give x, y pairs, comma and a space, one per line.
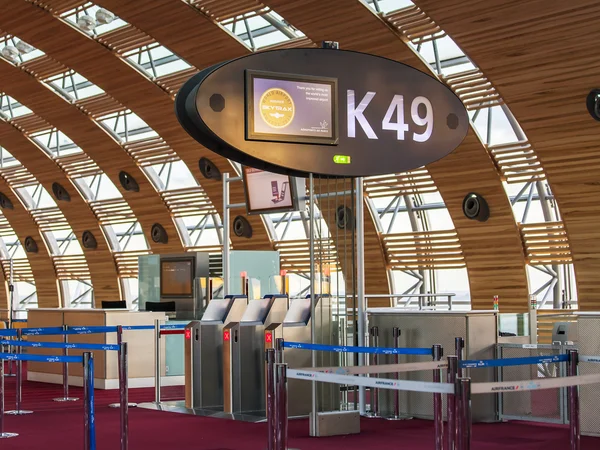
562, 371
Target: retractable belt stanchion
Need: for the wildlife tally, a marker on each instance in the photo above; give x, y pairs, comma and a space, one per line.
270, 358
89, 437
3, 434
279, 350
120, 359
281, 407
451, 403
463, 389
124, 395
18, 394
573, 392
438, 414
65, 374
459, 345
374, 334
157, 361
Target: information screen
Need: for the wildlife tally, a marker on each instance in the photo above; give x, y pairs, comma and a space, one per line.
291, 108
176, 278
268, 192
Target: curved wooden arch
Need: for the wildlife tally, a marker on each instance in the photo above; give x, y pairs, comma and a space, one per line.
77, 212
541, 59
469, 168
104, 68
194, 27
41, 263
146, 204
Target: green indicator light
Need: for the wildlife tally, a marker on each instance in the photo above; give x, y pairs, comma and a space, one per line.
342, 159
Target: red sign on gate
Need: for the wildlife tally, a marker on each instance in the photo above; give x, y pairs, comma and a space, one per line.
268, 338
226, 335
188, 333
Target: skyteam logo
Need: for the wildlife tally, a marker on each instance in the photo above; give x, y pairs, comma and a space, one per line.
533, 385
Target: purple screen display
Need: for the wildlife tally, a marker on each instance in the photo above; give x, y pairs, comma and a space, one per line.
309, 113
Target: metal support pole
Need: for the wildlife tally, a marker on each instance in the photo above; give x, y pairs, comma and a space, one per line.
225, 234
65, 370
374, 336
18, 393
311, 212
360, 282
463, 386
270, 358
158, 362
3, 434
281, 407
124, 395
438, 414
459, 345
451, 403
573, 392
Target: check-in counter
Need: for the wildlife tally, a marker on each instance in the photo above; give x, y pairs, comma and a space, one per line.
106, 376
425, 329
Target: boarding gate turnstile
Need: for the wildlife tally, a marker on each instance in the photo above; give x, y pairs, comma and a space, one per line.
296, 328
244, 345
203, 352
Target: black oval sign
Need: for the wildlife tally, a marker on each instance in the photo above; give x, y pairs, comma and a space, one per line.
322, 111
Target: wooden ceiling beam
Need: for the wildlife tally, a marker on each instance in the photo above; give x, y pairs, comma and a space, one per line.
77, 212
98, 144
540, 57
41, 264
127, 85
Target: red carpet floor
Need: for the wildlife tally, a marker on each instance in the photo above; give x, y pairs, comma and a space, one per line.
59, 426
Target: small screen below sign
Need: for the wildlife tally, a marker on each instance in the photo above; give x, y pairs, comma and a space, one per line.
268, 192
291, 108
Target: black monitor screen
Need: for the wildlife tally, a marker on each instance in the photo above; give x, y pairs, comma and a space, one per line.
291, 108
176, 277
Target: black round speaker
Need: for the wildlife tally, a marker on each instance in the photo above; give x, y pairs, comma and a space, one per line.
30, 245
60, 192
592, 103
475, 207
159, 234
5, 202
344, 219
128, 182
241, 227
209, 170
88, 240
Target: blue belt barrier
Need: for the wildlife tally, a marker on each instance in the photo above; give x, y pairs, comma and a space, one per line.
112, 347
349, 349
470, 364
178, 326
90, 330
8, 332
40, 358
137, 327
46, 331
